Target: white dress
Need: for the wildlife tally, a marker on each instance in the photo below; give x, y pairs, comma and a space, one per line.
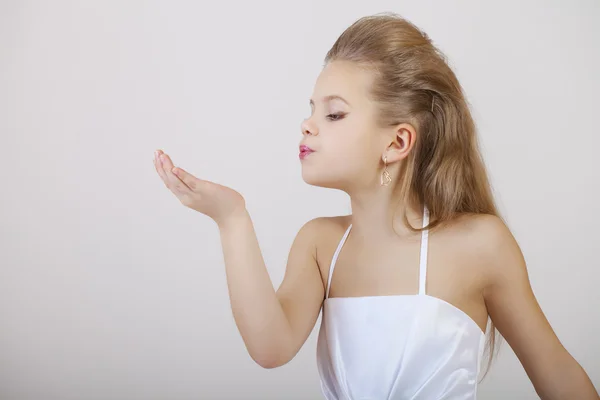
397, 346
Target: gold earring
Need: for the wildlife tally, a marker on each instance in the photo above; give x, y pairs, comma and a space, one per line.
385, 175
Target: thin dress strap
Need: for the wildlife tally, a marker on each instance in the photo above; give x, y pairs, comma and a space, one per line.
334, 259
423, 257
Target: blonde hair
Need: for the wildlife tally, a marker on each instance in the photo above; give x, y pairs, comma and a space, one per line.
413, 83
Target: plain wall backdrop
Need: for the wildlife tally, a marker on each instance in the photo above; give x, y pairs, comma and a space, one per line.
110, 289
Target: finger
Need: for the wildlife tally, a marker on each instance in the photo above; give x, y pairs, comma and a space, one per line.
188, 179
175, 183
159, 168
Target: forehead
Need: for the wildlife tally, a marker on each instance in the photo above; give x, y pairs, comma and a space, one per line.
345, 79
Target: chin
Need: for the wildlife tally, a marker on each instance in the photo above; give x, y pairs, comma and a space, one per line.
320, 179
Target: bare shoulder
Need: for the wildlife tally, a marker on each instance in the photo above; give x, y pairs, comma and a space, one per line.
477, 224
326, 232
323, 228
489, 242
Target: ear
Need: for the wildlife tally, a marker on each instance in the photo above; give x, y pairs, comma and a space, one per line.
403, 139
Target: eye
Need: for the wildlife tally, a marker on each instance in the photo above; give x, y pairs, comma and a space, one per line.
335, 117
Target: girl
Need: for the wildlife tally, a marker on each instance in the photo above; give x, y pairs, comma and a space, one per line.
408, 281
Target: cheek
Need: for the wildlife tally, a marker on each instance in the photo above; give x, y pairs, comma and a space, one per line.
345, 149
348, 141
351, 159
358, 147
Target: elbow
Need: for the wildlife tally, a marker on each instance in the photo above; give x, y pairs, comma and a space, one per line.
270, 359
271, 351
269, 364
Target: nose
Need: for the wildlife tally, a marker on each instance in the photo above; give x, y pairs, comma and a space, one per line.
308, 129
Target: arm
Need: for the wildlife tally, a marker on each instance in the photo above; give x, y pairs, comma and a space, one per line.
516, 313
274, 325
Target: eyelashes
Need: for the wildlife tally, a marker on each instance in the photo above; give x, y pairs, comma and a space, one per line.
335, 117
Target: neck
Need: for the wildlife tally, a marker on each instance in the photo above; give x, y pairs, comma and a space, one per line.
378, 215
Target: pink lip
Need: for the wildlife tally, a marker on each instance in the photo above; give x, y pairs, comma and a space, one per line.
305, 151
304, 154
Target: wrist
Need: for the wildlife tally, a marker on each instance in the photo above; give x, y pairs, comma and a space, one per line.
233, 219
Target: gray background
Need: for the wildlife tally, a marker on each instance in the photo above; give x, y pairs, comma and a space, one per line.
111, 289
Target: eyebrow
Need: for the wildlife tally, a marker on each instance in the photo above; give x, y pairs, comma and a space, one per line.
330, 97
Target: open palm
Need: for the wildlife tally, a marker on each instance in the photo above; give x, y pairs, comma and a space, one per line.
217, 201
